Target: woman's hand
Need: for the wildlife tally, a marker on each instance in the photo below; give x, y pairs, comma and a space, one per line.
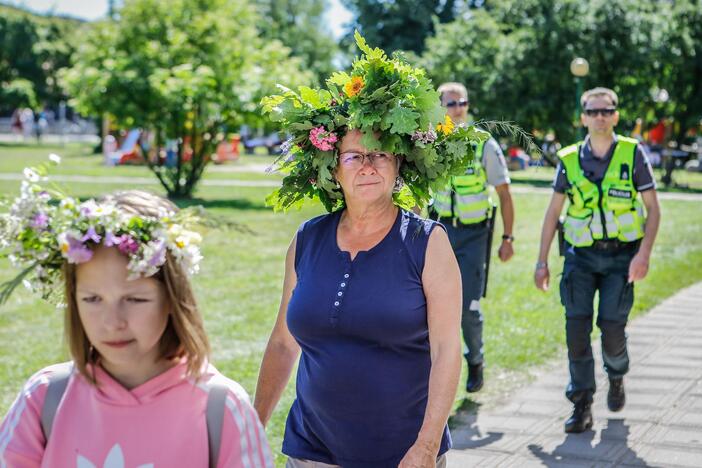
420, 455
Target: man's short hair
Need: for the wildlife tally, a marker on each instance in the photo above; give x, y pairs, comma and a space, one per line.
453, 87
597, 92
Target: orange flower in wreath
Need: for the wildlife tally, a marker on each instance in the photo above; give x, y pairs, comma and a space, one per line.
354, 86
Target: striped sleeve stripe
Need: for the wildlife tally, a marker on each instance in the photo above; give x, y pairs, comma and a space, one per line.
249, 440
15, 415
265, 449
239, 421
260, 435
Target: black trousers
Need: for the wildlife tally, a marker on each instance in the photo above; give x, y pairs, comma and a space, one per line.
587, 271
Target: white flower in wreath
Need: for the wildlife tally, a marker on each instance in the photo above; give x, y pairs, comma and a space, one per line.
115, 459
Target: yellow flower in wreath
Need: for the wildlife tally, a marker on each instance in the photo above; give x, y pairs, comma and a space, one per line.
447, 127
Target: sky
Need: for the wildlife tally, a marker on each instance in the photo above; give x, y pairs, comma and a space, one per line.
94, 9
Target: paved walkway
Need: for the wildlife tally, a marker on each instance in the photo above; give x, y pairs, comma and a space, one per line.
661, 424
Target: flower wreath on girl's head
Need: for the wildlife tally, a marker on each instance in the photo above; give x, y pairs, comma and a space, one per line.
45, 228
397, 109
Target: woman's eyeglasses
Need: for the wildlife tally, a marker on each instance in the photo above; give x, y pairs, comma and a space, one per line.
603, 112
377, 159
459, 103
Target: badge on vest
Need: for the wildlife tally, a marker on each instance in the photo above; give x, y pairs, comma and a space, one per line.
624, 174
470, 171
617, 193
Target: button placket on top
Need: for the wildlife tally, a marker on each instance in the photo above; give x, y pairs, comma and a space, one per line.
339, 298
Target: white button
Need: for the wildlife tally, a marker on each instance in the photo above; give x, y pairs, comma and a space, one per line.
336, 303
343, 285
339, 293
346, 275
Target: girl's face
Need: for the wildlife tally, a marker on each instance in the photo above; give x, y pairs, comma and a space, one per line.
124, 320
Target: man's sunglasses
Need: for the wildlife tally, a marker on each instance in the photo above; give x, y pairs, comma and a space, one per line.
460, 103
604, 112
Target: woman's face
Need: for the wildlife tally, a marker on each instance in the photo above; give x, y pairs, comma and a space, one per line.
365, 177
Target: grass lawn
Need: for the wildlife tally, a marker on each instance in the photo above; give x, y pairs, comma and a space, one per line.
240, 285
79, 160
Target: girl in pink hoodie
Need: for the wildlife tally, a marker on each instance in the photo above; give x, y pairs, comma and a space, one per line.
139, 391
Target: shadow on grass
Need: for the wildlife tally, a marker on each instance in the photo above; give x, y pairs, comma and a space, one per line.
675, 188
234, 204
18, 144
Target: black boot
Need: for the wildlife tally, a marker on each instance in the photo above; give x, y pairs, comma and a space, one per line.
475, 378
581, 419
615, 396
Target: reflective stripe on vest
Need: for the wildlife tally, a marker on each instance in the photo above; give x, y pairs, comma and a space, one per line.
466, 198
609, 209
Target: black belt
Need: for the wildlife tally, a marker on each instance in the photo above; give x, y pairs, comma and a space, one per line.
455, 222
613, 244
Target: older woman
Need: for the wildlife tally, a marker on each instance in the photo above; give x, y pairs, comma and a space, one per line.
372, 292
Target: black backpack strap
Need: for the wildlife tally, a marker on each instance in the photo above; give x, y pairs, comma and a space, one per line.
216, 402
58, 381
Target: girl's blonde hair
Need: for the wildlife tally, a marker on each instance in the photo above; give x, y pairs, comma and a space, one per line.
185, 332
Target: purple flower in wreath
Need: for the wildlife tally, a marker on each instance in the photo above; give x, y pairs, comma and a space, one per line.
111, 240
158, 257
127, 244
427, 137
91, 235
77, 251
39, 221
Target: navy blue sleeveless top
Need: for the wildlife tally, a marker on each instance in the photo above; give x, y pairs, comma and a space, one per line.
363, 377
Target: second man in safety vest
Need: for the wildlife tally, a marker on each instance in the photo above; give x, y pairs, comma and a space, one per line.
464, 208
608, 181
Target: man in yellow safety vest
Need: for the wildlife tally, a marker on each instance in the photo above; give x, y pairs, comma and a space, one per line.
464, 208
608, 182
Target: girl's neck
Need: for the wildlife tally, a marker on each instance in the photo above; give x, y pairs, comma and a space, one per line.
133, 377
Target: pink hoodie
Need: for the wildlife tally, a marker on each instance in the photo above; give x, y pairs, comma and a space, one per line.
160, 424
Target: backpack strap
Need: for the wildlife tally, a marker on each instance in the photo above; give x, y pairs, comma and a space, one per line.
58, 381
214, 415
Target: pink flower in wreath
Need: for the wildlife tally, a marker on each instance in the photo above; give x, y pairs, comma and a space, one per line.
323, 139
127, 244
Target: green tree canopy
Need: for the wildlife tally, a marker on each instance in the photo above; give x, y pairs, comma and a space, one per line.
299, 24
514, 56
187, 70
32, 50
401, 24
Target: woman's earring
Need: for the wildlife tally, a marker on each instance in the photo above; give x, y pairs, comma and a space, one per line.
399, 183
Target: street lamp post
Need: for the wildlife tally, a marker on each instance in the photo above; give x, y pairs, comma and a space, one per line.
579, 68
